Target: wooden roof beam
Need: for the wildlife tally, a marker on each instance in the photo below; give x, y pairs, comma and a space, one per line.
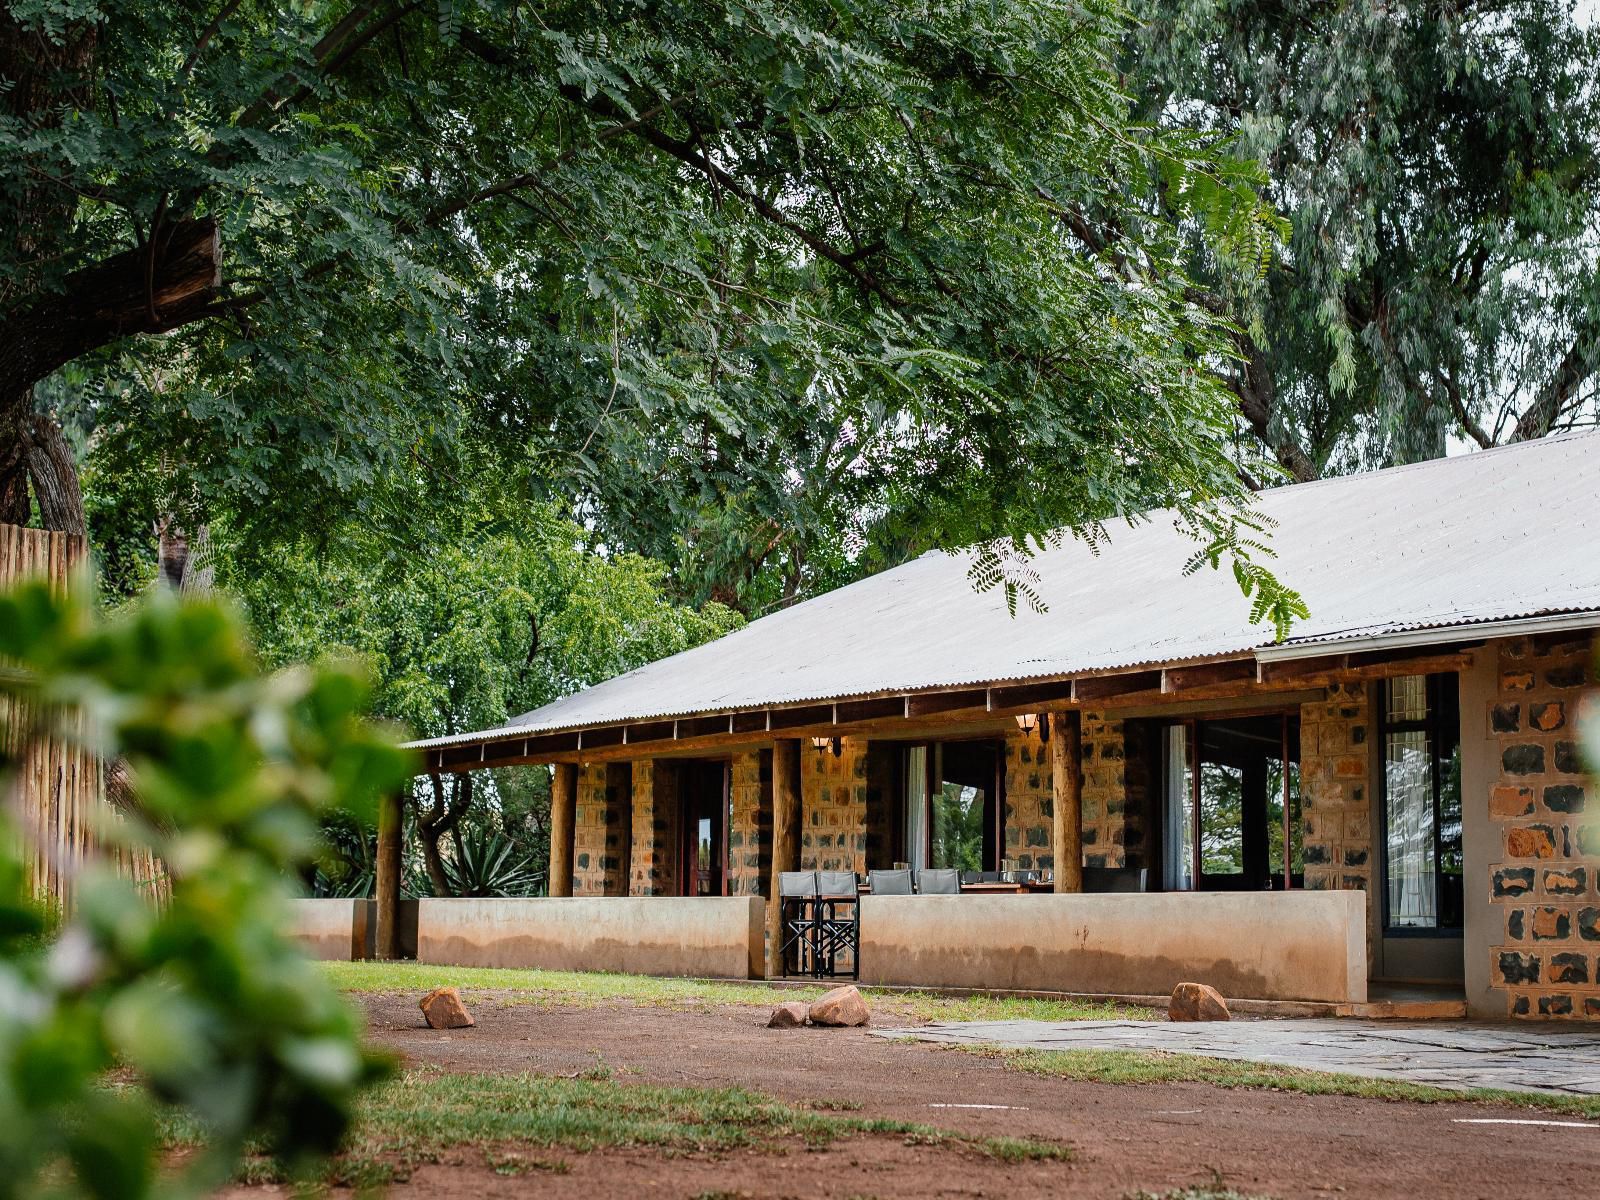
1106, 687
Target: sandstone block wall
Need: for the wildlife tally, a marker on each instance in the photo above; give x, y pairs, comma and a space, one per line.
602, 830
657, 828
833, 807
1544, 881
1116, 790
1335, 801
750, 826
1030, 809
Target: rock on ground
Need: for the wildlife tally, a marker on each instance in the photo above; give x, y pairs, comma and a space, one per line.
443, 1009
790, 1015
841, 1006
1197, 1002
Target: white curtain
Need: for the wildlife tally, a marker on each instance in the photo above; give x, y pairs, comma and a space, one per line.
917, 807
1408, 761
1179, 840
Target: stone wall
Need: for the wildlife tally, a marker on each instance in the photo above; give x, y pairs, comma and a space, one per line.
750, 829
1116, 791
602, 830
1544, 883
657, 830
1336, 805
1030, 811
833, 807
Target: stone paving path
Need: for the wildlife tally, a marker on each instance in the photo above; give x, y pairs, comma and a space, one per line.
1442, 1054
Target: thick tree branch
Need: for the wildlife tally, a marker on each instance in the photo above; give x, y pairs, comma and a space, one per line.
126, 294
1553, 399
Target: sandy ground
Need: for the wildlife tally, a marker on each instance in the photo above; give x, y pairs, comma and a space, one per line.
1124, 1138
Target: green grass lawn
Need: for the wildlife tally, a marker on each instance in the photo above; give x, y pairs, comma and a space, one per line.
523, 1122
584, 988
1135, 1067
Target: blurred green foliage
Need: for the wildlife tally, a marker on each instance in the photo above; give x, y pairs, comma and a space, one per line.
196, 1003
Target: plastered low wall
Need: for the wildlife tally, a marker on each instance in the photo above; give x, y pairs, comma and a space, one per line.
1297, 945
337, 930
703, 936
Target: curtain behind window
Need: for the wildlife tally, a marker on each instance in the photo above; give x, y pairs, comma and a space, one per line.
1408, 763
917, 807
1178, 844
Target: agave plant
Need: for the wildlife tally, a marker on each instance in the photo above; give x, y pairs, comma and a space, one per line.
487, 863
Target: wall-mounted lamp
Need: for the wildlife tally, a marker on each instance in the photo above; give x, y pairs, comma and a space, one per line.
1027, 722
820, 744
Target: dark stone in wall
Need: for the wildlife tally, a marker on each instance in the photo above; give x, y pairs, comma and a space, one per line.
1565, 677
1519, 1007
1555, 1006
1589, 924
1315, 854
1564, 798
1508, 881
1567, 759
1519, 968
1569, 968
1526, 759
1506, 718
1355, 857
1516, 924
1038, 836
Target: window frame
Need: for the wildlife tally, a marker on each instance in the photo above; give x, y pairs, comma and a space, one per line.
1436, 726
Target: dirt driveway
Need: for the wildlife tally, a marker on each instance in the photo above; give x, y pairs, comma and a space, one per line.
1125, 1138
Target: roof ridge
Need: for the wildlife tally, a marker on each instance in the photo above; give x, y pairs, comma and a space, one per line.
1566, 435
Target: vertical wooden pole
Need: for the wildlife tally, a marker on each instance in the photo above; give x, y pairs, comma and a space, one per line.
387, 941
563, 820
785, 840
1066, 785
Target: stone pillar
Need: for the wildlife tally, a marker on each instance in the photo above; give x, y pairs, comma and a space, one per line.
785, 839
563, 809
1066, 785
390, 824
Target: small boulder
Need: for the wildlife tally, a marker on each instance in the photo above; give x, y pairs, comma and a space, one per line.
790, 1015
841, 1006
443, 1009
1196, 1002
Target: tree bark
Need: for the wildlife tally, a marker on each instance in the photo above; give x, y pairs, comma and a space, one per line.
155, 289
785, 841
563, 811
438, 820
1066, 786
387, 881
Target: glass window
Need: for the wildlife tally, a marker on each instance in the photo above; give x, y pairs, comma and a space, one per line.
951, 805
1422, 802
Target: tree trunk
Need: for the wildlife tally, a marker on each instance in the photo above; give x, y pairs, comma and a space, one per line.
438, 820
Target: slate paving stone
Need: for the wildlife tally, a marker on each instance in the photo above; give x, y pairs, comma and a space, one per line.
1453, 1054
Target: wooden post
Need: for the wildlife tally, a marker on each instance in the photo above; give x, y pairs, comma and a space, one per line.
563, 819
390, 822
785, 840
1066, 785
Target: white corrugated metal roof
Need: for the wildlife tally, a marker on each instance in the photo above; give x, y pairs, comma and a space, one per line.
1482, 537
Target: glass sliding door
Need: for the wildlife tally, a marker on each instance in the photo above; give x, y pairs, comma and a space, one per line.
1232, 804
1178, 826
1422, 803
952, 805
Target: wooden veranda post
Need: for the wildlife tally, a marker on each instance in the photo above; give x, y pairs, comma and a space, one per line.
390, 819
1066, 785
785, 840
563, 818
